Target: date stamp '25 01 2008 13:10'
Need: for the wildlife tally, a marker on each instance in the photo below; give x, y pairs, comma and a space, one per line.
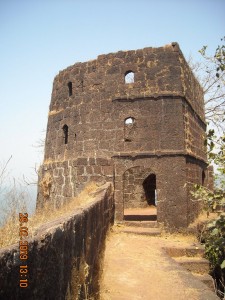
23, 249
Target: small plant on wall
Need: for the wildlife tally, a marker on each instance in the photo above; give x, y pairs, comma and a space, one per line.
45, 185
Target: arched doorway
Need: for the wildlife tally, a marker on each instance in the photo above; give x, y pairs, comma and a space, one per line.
139, 194
149, 186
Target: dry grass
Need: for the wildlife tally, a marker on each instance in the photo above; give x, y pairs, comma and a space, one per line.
9, 233
184, 237
191, 235
202, 218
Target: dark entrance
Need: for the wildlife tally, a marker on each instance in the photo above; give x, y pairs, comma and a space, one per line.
139, 192
149, 186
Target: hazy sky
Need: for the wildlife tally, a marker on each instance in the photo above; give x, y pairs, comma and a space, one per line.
39, 38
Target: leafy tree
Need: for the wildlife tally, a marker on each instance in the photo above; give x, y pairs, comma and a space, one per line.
214, 234
211, 75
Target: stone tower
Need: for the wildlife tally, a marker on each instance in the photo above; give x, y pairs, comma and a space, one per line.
135, 118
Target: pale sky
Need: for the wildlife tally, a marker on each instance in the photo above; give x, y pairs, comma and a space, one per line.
38, 38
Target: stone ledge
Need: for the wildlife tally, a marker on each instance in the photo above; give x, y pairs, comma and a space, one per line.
60, 253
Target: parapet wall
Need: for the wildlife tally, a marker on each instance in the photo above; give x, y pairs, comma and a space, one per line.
64, 257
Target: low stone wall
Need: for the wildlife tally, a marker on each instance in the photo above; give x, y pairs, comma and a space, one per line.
64, 258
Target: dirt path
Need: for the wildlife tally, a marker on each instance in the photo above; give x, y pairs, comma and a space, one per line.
136, 267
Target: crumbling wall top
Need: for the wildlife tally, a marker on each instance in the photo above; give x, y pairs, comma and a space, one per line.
156, 71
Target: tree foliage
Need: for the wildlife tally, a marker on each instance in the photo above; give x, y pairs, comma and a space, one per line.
13, 196
214, 235
211, 74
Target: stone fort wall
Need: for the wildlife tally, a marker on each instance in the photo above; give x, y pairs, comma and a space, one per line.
100, 100
64, 257
101, 125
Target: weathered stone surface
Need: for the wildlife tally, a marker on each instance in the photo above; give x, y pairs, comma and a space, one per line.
65, 256
155, 124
